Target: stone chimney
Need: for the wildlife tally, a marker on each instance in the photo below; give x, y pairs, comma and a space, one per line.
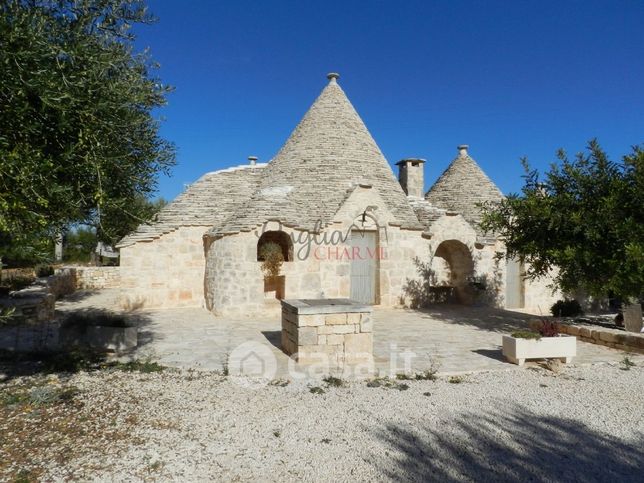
410, 175
252, 160
462, 150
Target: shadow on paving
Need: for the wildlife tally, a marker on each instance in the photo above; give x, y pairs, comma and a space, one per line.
510, 444
33, 349
274, 337
77, 296
486, 318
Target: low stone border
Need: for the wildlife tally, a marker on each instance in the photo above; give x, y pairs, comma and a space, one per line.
617, 339
94, 278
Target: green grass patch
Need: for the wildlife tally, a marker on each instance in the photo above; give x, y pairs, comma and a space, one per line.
146, 366
526, 334
333, 381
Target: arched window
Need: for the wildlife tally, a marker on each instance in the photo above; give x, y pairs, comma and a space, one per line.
281, 239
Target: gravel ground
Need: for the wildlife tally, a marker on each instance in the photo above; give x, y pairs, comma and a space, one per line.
581, 424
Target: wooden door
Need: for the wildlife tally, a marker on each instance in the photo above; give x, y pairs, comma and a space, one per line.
514, 293
363, 266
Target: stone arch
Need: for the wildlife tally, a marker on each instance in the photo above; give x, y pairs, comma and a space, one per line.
454, 266
278, 237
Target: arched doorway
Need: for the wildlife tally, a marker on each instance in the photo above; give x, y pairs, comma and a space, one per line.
453, 266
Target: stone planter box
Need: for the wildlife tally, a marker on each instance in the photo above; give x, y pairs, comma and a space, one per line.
518, 350
100, 337
275, 287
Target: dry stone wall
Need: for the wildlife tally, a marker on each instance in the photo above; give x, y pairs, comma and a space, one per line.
166, 272
330, 334
93, 277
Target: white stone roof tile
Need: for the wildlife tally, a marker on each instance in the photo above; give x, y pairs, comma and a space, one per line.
207, 202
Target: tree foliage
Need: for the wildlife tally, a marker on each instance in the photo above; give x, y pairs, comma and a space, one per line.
585, 218
115, 225
78, 140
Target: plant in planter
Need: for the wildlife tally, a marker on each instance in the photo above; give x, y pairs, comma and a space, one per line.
544, 343
272, 260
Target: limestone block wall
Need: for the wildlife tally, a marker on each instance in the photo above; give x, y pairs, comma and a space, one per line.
95, 277
485, 268
165, 272
320, 269
327, 334
539, 296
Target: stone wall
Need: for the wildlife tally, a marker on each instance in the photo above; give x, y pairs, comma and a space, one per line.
165, 272
540, 296
97, 277
31, 305
329, 334
321, 267
615, 338
172, 271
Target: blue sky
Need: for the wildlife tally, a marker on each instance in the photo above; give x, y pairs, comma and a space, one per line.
511, 79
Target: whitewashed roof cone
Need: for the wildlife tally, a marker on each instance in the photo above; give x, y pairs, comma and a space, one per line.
327, 155
462, 186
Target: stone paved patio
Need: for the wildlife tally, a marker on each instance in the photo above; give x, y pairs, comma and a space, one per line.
460, 339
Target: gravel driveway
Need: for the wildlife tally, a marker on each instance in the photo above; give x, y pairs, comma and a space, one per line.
582, 424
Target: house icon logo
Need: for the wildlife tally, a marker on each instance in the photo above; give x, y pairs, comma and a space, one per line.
252, 364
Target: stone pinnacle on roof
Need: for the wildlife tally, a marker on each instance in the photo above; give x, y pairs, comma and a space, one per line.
333, 76
462, 186
328, 154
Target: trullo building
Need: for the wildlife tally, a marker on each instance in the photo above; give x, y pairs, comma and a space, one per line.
347, 226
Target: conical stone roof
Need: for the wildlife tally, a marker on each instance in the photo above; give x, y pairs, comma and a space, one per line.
206, 202
327, 155
462, 186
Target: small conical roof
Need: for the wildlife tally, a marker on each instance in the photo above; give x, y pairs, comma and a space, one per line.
328, 154
462, 186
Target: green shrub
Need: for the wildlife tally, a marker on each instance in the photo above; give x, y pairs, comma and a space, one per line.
45, 395
566, 308
146, 366
39, 396
333, 381
18, 282
44, 270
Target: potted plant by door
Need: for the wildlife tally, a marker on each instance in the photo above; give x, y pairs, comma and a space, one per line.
544, 343
272, 260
